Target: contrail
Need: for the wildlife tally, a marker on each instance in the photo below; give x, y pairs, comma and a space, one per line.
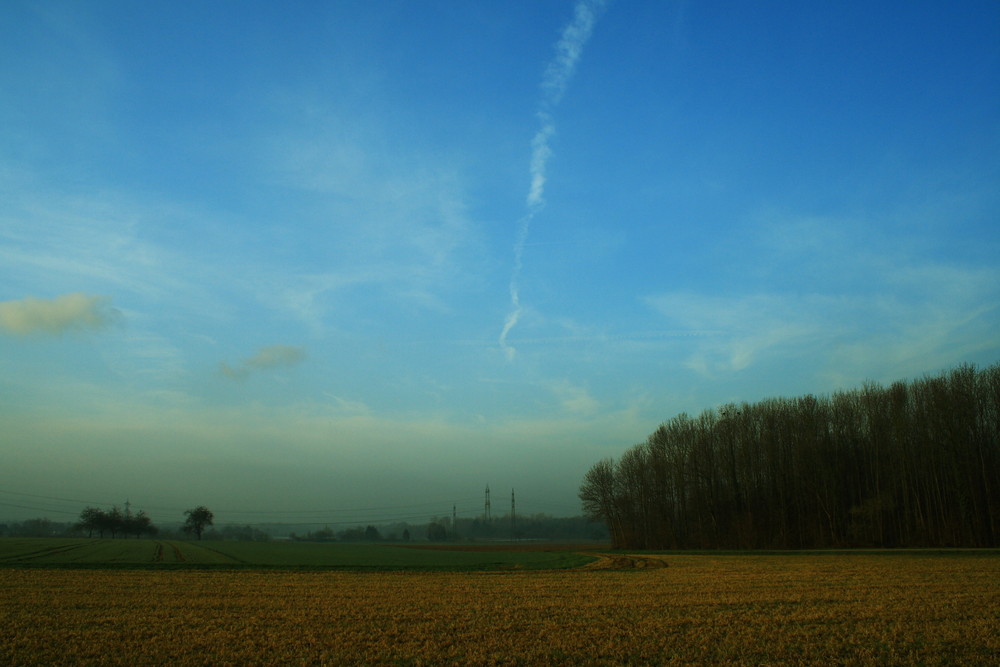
554, 82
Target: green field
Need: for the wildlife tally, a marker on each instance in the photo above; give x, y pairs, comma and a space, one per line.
98, 553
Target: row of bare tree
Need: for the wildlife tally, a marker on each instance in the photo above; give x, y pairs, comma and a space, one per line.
115, 522
909, 465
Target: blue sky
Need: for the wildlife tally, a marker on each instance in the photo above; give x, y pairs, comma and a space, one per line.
317, 258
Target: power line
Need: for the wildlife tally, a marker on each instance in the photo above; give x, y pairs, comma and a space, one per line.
37, 509
292, 512
68, 500
344, 510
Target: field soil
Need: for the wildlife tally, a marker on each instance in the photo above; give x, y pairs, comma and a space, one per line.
897, 608
510, 547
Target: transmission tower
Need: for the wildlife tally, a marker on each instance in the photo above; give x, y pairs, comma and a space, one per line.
487, 515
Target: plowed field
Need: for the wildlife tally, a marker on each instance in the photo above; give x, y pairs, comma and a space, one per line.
873, 609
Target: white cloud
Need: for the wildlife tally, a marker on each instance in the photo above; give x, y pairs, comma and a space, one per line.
65, 313
270, 356
348, 407
575, 398
276, 355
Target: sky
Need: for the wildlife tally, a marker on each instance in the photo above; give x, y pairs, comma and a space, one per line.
353, 261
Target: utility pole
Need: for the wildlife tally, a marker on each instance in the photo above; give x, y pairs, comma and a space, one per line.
454, 522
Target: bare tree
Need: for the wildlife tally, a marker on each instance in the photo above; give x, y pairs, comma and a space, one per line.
197, 519
912, 464
599, 498
91, 519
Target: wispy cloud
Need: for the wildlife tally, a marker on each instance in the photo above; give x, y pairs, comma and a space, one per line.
344, 406
393, 220
270, 356
568, 50
575, 398
64, 313
869, 310
554, 82
745, 327
100, 243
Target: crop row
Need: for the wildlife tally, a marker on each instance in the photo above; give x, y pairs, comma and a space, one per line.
97, 552
82, 552
743, 609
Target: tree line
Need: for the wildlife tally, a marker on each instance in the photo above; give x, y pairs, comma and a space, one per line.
114, 522
357, 534
914, 464
537, 526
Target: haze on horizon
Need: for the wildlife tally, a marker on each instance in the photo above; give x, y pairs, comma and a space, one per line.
355, 261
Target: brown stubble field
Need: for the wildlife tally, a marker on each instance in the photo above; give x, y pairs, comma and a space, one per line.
855, 608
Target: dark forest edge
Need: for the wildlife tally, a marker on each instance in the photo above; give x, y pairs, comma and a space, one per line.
914, 465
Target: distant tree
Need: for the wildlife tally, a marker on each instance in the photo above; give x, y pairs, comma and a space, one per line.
406, 534
436, 532
355, 534
245, 533
35, 528
139, 524
600, 498
372, 534
197, 519
325, 534
91, 519
113, 521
